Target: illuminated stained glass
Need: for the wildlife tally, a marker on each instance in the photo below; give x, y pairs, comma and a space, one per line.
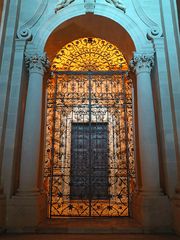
89, 111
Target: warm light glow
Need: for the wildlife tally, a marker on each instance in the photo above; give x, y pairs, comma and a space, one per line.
68, 102
88, 54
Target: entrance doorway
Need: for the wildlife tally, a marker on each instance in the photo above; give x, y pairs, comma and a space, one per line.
89, 161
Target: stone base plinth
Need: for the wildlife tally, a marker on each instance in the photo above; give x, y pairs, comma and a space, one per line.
26, 211
153, 212
2, 212
176, 213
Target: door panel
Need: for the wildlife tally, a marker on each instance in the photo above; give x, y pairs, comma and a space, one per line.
79, 179
89, 161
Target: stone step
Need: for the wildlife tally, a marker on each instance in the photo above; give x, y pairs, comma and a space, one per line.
90, 225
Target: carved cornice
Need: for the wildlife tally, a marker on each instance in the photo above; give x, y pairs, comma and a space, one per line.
89, 5
62, 4
37, 63
24, 32
117, 4
154, 29
142, 63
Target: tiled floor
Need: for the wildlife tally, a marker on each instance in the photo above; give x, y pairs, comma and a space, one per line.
87, 237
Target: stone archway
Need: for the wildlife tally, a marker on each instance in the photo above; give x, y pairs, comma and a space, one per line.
61, 32
134, 34
142, 63
90, 25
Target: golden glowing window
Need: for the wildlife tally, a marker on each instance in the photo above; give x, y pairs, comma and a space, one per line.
89, 54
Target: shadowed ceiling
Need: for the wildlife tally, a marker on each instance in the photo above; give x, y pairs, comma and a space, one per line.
90, 25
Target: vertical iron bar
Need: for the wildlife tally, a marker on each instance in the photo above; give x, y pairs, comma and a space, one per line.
66, 164
90, 200
72, 121
114, 150
96, 127
126, 134
53, 142
60, 151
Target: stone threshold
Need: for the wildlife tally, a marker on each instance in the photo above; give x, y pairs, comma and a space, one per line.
89, 225
83, 226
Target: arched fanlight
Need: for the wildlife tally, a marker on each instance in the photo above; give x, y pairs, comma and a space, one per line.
89, 54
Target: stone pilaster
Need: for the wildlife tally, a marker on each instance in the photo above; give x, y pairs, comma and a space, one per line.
172, 47
150, 206
29, 204
9, 23
32, 126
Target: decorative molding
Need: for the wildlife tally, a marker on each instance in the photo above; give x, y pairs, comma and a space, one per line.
89, 5
154, 32
117, 4
158, 43
62, 4
154, 29
24, 34
37, 63
24, 31
142, 62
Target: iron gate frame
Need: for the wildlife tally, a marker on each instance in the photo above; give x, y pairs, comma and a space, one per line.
122, 74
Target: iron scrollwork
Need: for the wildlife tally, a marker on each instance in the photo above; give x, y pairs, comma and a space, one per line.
71, 102
89, 157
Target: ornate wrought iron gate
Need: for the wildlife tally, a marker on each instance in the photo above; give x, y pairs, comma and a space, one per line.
89, 162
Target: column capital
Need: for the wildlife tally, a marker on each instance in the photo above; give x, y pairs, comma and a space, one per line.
37, 63
142, 62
